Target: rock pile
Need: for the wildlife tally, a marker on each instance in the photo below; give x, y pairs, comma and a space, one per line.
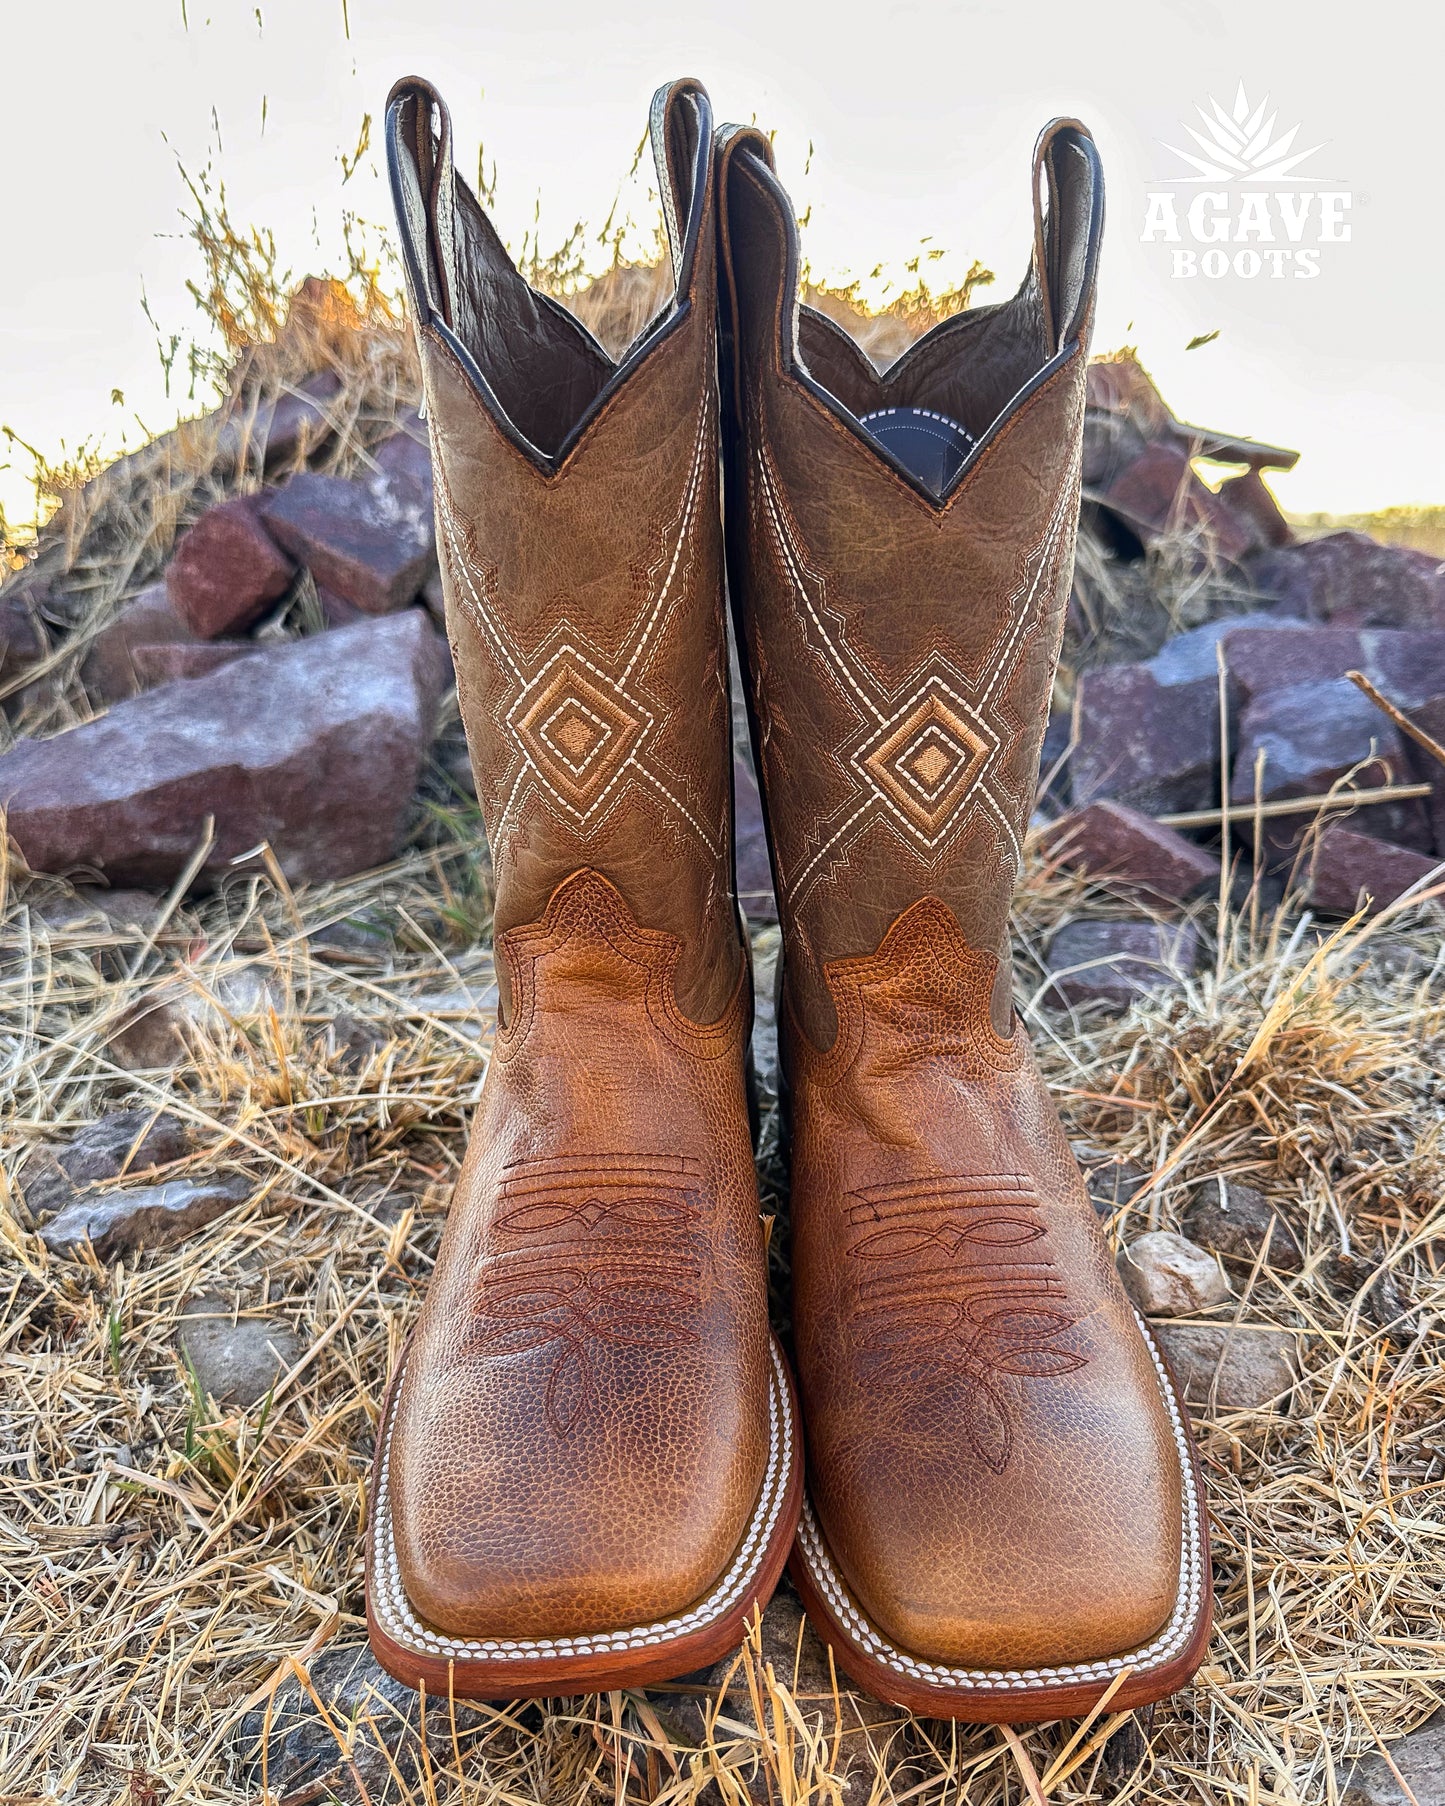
223, 732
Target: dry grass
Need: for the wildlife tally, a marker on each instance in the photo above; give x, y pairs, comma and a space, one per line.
168, 1562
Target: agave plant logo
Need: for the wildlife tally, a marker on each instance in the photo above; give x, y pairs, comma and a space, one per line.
1243, 146
1253, 190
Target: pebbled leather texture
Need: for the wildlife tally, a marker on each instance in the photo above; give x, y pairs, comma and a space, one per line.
992, 1460
582, 1438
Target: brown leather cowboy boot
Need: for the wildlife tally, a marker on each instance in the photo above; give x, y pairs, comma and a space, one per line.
1003, 1514
587, 1468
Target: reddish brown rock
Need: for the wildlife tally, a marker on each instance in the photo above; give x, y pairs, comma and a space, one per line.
1352, 580
314, 745
151, 618
227, 570
1348, 867
1310, 736
1112, 842
299, 422
1116, 962
1143, 742
1158, 494
1250, 499
1409, 667
1429, 717
156, 665
369, 540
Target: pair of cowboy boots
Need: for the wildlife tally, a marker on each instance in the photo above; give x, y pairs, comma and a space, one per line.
589, 1470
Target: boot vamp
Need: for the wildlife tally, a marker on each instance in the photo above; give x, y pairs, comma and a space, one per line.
990, 1453
581, 1420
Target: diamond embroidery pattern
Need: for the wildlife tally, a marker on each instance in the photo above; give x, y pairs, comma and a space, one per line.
929, 757
578, 718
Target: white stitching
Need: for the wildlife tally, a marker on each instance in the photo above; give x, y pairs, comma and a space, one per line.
403, 1626
861, 1632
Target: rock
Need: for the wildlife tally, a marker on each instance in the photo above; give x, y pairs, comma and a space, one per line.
1233, 1368
1311, 735
1112, 1184
124, 1220
298, 422
1142, 742
227, 570
1112, 842
23, 638
1167, 1275
336, 611
1249, 499
1115, 962
1407, 667
1235, 1221
1056, 784
1159, 495
156, 665
132, 1142
352, 1040
1376, 1285
108, 669
1192, 657
370, 540
162, 1030
750, 848
1348, 868
1417, 1761
1429, 717
381, 1721
313, 745
235, 1359
1354, 581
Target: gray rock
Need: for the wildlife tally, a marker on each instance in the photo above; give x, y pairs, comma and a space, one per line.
1190, 657
1143, 742
1408, 667
162, 1031
127, 1141
750, 848
1310, 735
1420, 1761
125, 1220
235, 1359
1113, 1183
1115, 962
1233, 1368
382, 1721
313, 745
156, 665
1235, 1221
1167, 1275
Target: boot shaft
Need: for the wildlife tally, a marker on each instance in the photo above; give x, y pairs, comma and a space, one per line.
580, 541
900, 645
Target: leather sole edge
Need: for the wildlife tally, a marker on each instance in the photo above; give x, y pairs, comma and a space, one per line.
1029, 1695
504, 1668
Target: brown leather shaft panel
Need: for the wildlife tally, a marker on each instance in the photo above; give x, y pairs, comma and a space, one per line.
583, 1432
989, 1453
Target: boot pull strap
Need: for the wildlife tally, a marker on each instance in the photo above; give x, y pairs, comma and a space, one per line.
1068, 226
680, 126
423, 190
737, 148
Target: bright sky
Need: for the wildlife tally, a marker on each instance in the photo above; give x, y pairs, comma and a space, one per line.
921, 115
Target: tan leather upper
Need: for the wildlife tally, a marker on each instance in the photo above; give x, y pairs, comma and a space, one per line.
989, 1453
581, 1425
